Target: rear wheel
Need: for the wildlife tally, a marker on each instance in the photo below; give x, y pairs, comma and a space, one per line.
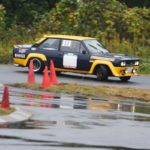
102, 73
125, 79
38, 65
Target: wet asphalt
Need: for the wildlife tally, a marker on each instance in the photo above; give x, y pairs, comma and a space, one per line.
70, 122
11, 74
63, 121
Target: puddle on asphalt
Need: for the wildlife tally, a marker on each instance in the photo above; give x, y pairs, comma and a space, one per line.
63, 101
90, 103
57, 115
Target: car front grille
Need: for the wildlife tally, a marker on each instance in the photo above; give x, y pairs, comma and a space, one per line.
130, 63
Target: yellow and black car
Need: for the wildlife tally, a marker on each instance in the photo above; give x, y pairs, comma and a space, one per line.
76, 54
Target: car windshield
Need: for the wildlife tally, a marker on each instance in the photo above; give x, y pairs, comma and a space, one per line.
95, 47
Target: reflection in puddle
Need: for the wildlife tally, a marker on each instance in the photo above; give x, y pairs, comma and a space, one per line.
67, 121
49, 100
42, 96
81, 102
77, 102
117, 108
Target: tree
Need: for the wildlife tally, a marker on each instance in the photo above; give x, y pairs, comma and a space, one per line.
2, 19
26, 12
97, 18
136, 3
61, 19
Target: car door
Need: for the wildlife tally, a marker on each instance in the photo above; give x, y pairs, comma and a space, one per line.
75, 55
84, 58
50, 48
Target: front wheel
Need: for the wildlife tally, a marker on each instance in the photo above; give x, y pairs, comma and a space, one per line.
102, 73
38, 65
125, 79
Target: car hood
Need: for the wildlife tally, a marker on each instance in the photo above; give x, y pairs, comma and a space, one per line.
113, 57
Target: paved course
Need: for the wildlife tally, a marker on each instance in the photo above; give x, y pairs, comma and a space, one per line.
12, 74
71, 122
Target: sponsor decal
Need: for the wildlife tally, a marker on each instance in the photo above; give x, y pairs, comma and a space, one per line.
70, 61
20, 55
101, 58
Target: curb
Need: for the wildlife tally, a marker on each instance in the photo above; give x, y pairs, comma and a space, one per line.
18, 116
15, 117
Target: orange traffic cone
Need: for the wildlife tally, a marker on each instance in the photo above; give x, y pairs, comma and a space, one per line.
53, 78
5, 99
31, 78
45, 83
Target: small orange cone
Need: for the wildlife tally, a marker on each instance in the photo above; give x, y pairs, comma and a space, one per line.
53, 78
5, 100
45, 83
31, 78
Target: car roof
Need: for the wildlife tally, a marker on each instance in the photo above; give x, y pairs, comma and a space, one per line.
72, 37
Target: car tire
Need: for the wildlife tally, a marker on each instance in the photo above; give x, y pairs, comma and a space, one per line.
102, 73
38, 65
58, 73
125, 79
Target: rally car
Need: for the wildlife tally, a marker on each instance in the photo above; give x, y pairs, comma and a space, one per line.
76, 54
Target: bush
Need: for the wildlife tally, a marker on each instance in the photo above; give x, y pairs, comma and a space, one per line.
121, 29
15, 35
145, 66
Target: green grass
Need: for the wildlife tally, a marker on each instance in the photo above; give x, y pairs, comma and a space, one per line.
6, 111
91, 90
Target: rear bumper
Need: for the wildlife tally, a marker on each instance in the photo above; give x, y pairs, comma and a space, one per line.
19, 62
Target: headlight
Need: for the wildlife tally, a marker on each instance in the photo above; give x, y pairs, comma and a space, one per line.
136, 63
123, 63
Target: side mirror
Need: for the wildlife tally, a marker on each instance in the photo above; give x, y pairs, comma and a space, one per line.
84, 52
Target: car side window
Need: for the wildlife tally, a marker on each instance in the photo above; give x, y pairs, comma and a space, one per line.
70, 46
50, 44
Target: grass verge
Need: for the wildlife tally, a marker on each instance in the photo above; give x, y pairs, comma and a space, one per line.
91, 90
6, 111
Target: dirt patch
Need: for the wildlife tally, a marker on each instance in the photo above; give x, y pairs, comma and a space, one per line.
90, 90
6, 111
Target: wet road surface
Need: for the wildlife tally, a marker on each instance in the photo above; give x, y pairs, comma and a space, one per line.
12, 74
76, 122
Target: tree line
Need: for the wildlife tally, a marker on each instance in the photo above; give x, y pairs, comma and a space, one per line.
122, 25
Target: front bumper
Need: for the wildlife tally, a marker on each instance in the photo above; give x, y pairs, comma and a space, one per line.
125, 71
